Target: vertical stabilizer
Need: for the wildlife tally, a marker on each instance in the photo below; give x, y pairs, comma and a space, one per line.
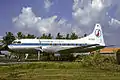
98, 35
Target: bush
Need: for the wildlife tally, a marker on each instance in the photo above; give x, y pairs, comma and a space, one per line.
100, 62
118, 56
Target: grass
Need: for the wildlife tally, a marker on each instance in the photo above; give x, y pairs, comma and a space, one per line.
94, 67
56, 71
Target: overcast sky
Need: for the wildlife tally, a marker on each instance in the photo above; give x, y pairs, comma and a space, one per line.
65, 16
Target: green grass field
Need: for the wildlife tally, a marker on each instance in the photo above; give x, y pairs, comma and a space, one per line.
55, 71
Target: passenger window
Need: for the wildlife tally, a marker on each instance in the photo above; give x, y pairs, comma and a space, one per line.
63, 44
50, 43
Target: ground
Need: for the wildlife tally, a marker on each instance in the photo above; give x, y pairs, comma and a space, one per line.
55, 71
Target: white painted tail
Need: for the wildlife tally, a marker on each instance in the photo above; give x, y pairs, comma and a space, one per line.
97, 35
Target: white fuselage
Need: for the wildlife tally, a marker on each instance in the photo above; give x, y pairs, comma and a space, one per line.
55, 45
47, 45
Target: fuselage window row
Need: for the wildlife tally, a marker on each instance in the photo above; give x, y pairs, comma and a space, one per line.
51, 44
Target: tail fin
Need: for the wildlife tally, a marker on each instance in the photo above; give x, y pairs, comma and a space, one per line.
97, 35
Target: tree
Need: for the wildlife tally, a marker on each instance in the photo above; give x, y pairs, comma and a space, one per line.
1, 40
44, 36
8, 38
20, 35
67, 36
59, 36
30, 36
49, 36
73, 36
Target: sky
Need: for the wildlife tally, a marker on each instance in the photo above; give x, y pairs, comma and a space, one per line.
64, 16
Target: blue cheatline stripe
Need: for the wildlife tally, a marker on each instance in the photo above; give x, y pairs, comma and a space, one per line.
47, 44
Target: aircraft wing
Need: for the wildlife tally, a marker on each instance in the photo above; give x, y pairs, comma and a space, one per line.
87, 48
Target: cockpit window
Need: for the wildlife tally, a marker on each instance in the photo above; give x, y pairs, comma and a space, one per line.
16, 42
19, 42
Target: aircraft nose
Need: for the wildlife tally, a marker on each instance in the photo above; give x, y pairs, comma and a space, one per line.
10, 46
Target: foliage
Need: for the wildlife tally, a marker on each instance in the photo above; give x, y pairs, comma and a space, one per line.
8, 38
57, 71
67, 36
73, 36
118, 51
30, 36
20, 35
1, 40
44, 36
100, 62
118, 56
59, 36
49, 36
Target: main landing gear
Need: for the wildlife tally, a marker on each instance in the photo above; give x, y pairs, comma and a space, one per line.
39, 50
39, 54
26, 56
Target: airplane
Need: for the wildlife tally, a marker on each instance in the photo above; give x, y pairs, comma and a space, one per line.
90, 43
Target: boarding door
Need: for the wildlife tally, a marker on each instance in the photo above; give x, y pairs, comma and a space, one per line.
40, 44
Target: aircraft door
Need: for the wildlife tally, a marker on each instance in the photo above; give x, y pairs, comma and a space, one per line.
40, 44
